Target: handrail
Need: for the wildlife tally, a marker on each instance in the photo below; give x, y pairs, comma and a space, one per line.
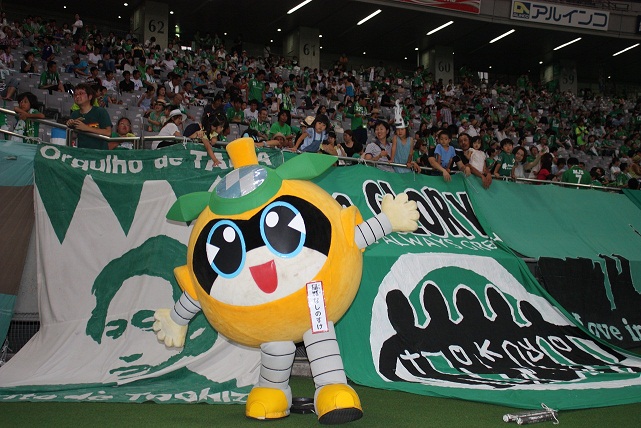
139, 143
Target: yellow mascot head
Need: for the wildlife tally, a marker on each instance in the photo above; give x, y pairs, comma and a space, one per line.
259, 238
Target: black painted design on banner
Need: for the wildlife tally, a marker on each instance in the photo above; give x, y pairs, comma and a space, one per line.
476, 349
608, 306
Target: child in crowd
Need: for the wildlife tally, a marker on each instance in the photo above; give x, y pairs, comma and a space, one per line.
156, 118
476, 155
443, 155
27, 109
199, 99
145, 100
311, 139
505, 161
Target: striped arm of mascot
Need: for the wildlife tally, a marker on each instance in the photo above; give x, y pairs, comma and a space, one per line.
266, 247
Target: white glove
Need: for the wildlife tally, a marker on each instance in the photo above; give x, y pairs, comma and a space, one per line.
167, 330
401, 212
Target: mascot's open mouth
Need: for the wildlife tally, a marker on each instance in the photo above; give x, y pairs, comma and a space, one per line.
265, 276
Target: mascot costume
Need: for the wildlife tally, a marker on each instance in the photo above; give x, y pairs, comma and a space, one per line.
273, 260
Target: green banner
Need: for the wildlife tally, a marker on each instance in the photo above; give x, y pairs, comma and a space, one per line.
588, 247
446, 310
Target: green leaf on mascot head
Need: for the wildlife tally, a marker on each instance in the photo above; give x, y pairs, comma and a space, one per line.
188, 207
305, 166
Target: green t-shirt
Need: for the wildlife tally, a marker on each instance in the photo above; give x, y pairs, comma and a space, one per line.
622, 179
358, 122
235, 115
28, 128
575, 175
285, 129
262, 127
506, 163
256, 90
49, 79
97, 117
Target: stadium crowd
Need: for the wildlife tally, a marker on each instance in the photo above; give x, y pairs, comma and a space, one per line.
213, 92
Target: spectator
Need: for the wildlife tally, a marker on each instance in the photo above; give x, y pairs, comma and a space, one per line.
28, 64
283, 128
172, 127
545, 172
148, 79
109, 82
80, 47
79, 68
138, 85
173, 86
575, 174
6, 57
521, 163
156, 118
89, 119
47, 53
350, 146
207, 133
77, 27
123, 129
505, 162
251, 112
310, 140
379, 149
624, 176
402, 147
27, 109
50, 79
146, 99
329, 147
261, 125
257, 87
235, 113
359, 120
94, 56
127, 85
443, 156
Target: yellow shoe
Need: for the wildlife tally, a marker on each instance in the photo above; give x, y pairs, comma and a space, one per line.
337, 404
266, 403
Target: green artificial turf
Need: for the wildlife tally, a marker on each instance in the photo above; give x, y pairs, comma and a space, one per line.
381, 409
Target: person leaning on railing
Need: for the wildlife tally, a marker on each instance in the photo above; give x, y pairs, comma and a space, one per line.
89, 119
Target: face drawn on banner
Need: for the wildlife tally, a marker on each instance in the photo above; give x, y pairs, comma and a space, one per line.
107, 329
465, 321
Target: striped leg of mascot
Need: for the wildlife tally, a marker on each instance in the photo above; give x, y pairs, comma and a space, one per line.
272, 260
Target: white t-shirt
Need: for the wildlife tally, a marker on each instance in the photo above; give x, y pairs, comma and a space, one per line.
169, 64
77, 25
94, 58
167, 131
250, 115
476, 158
111, 85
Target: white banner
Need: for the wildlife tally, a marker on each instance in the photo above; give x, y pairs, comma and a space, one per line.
560, 14
98, 290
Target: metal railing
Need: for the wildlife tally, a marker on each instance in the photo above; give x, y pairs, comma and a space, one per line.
139, 141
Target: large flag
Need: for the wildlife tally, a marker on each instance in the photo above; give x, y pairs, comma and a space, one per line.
447, 310
588, 247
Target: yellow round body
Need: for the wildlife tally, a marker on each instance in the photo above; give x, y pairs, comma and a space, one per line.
286, 318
